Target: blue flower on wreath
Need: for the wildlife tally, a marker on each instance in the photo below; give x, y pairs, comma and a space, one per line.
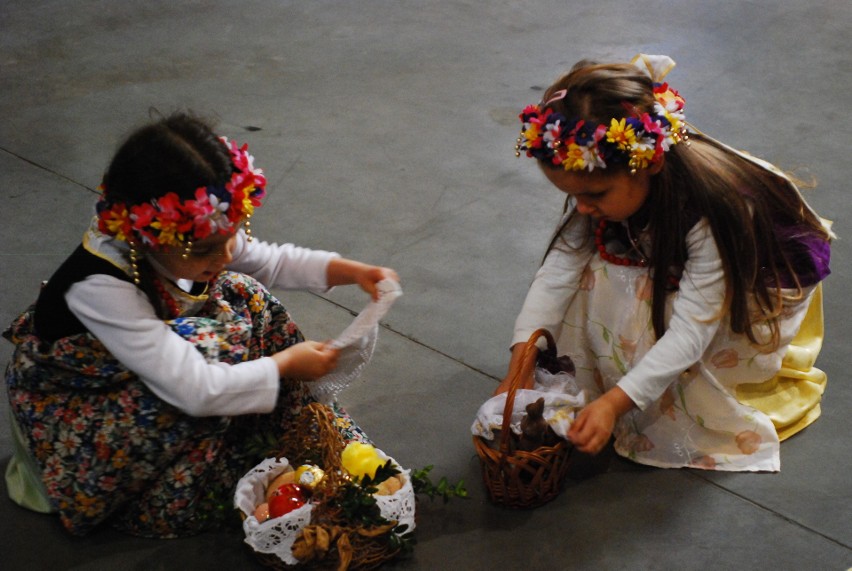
584, 133
611, 154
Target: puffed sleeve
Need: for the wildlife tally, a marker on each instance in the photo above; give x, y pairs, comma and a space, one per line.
555, 283
694, 322
284, 266
120, 316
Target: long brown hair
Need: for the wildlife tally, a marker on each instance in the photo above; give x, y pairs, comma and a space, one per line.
741, 201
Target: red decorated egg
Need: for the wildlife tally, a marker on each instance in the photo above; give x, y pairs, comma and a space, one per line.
283, 504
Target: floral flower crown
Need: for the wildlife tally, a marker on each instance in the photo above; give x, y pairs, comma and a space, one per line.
168, 221
637, 141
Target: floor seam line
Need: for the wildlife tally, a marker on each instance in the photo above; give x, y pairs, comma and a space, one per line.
46, 169
774, 512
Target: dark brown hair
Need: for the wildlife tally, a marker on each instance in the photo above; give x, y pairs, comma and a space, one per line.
178, 153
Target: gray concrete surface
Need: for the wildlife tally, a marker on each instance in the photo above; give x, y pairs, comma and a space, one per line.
387, 131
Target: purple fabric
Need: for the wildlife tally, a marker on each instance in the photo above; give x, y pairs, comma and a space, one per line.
809, 253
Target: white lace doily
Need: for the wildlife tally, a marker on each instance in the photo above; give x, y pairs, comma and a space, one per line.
399, 506
356, 345
276, 535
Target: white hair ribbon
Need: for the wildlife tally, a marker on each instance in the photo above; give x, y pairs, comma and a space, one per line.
657, 67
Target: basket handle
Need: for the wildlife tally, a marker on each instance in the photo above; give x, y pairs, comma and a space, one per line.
522, 371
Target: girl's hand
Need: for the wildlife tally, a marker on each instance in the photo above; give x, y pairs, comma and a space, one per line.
371, 275
307, 360
342, 271
593, 427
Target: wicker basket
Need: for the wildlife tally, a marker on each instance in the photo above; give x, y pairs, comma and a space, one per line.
517, 478
315, 440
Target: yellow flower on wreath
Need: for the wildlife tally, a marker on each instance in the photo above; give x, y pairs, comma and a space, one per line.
533, 133
168, 233
621, 133
117, 222
120, 459
575, 158
248, 206
87, 505
641, 157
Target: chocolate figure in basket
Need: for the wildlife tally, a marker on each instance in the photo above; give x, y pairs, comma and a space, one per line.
535, 430
683, 280
155, 355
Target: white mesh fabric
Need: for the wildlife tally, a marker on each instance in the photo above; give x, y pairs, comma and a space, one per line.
356, 345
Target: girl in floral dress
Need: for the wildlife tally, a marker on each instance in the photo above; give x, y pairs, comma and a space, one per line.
683, 279
155, 356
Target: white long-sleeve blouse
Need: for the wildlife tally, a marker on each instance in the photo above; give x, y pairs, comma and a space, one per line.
119, 314
695, 318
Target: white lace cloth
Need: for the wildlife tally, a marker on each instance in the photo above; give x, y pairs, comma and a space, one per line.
356, 345
563, 398
276, 536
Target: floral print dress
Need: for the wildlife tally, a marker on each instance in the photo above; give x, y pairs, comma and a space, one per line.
727, 410
108, 449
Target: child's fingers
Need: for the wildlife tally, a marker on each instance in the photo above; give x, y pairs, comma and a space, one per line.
585, 443
332, 356
373, 291
584, 435
577, 433
378, 273
390, 274
326, 356
579, 422
372, 276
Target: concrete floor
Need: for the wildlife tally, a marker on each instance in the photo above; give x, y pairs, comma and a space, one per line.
387, 131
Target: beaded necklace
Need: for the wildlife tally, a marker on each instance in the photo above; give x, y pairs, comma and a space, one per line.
171, 303
642, 262
613, 258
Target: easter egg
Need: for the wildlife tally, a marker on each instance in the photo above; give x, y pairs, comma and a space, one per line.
287, 477
261, 512
284, 503
360, 459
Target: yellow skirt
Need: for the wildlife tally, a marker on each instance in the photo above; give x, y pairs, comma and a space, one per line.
791, 398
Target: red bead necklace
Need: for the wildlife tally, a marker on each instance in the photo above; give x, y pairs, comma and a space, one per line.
612, 258
171, 304
624, 261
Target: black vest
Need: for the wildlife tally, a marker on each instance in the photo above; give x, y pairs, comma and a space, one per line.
53, 319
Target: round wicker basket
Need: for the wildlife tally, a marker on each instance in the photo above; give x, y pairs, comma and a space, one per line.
315, 440
517, 478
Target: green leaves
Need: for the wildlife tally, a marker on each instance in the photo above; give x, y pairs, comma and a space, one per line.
358, 504
383, 472
422, 484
